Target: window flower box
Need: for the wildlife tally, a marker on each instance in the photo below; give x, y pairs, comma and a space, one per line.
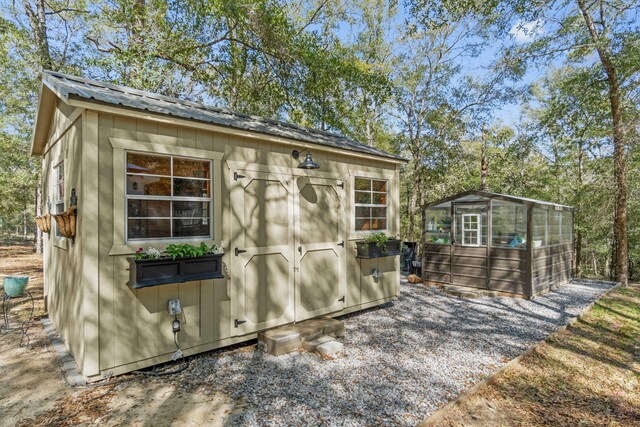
371, 250
161, 271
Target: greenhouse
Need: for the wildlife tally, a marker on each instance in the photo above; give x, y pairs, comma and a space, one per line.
498, 242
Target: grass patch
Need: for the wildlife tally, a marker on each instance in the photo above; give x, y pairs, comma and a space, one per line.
587, 375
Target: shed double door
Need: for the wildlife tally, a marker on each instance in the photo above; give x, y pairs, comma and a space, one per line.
287, 260
319, 234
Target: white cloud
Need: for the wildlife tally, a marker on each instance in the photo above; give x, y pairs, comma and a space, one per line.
526, 32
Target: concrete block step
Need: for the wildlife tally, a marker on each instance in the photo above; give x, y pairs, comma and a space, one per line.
333, 327
312, 345
462, 292
288, 338
330, 348
280, 341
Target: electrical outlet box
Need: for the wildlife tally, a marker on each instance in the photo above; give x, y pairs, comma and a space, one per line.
175, 326
174, 307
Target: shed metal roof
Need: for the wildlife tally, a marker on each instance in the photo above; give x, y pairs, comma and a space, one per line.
67, 86
489, 195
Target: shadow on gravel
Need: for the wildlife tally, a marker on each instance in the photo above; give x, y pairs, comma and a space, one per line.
401, 360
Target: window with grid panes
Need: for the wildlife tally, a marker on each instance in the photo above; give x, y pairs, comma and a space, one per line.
167, 197
58, 192
471, 229
370, 199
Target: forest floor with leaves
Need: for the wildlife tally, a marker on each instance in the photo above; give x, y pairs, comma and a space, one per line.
34, 392
589, 374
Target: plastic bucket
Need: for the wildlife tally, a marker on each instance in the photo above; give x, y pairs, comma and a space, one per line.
14, 285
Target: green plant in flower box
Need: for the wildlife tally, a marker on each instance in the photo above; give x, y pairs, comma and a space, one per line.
379, 239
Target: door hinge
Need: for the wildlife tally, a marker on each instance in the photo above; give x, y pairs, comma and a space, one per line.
341, 299
237, 322
341, 244
341, 185
237, 176
239, 251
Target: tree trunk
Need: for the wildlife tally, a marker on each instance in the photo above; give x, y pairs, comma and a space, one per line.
578, 235
414, 203
38, 22
138, 43
621, 260
24, 224
578, 254
483, 161
412, 215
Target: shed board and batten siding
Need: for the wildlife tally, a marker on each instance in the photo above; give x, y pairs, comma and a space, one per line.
63, 263
139, 317
111, 328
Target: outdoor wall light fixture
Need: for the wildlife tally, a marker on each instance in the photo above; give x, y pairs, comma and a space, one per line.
308, 161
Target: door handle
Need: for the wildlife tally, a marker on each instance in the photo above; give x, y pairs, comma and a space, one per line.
300, 249
341, 244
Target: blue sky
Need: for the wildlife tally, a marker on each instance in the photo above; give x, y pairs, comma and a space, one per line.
508, 114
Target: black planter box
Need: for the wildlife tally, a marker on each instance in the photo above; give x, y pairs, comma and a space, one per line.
370, 250
161, 271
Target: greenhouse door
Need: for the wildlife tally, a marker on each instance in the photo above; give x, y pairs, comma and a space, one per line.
262, 257
319, 239
469, 253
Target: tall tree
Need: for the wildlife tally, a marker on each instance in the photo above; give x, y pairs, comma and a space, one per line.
438, 104
28, 48
569, 122
573, 31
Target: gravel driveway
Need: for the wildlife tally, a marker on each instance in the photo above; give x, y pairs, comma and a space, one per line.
401, 360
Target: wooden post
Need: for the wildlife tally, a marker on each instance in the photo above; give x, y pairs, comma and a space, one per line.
529, 288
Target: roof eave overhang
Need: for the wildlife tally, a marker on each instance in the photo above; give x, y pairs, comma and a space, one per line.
78, 101
44, 115
49, 94
504, 197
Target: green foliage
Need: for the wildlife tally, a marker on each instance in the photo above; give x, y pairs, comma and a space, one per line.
395, 79
186, 250
179, 250
379, 239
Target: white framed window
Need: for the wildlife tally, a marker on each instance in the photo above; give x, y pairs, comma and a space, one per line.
471, 229
58, 193
371, 204
167, 197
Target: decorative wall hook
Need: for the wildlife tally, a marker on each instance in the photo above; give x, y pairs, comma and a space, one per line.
73, 200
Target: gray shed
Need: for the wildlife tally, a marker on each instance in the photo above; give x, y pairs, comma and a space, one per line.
498, 242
